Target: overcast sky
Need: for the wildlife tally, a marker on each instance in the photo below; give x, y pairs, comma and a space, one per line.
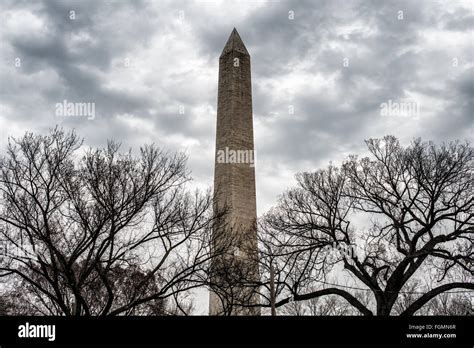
334, 63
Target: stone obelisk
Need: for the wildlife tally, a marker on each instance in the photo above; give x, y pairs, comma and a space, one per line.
234, 183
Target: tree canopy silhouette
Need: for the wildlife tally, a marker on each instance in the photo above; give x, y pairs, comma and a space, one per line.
106, 234
375, 225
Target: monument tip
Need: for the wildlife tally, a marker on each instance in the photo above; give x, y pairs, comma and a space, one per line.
234, 43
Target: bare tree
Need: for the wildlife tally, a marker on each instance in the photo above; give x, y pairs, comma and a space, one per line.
106, 234
376, 223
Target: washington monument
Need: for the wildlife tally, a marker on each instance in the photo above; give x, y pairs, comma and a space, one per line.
234, 185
